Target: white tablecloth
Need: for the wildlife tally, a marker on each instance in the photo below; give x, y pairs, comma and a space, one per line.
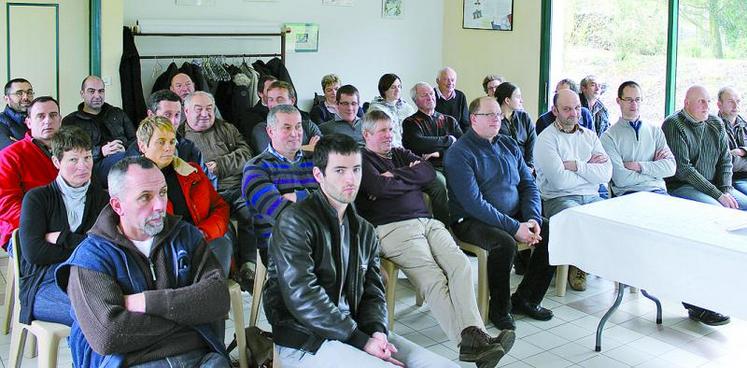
671, 247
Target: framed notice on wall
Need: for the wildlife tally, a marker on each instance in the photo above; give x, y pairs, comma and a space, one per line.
494, 15
303, 37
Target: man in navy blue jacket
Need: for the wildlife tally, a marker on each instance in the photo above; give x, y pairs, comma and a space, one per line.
494, 204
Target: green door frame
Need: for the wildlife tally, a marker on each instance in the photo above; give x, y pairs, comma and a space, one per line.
94, 37
671, 72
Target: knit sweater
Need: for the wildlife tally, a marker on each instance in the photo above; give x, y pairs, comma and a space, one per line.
737, 135
24, 165
621, 143
353, 130
553, 147
427, 134
266, 178
384, 199
701, 152
489, 181
456, 107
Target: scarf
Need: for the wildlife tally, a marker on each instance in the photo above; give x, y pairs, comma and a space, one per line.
75, 201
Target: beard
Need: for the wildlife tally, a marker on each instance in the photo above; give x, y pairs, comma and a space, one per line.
154, 223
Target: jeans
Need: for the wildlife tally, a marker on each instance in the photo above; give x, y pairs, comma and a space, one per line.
740, 185
246, 239
336, 354
50, 303
687, 191
501, 248
191, 359
223, 250
553, 206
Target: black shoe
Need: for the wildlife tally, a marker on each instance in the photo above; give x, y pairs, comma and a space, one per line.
502, 321
534, 311
707, 317
478, 347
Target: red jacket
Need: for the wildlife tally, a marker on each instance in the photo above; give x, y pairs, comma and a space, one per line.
23, 166
208, 210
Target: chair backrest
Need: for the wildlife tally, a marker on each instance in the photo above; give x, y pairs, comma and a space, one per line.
15, 262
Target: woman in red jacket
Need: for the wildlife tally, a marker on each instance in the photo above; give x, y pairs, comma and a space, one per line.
190, 193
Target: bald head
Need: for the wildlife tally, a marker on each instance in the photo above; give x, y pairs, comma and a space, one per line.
697, 102
567, 108
446, 81
182, 85
729, 104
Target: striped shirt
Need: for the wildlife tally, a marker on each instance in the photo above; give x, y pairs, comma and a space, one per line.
267, 177
701, 152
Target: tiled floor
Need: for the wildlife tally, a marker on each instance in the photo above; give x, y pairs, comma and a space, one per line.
631, 338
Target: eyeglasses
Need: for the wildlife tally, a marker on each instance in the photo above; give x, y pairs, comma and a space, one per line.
491, 115
20, 93
631, 99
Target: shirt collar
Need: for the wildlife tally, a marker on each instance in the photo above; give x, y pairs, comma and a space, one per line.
299, 154
441, 96
560, 127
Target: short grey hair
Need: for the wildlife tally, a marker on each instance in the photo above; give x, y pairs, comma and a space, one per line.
372, 117
116, 177
188, 99
272, 118
414, 89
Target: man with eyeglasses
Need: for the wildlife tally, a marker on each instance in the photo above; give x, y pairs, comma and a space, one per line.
571, 165
495, 204
638, 151
348, 100
18, 96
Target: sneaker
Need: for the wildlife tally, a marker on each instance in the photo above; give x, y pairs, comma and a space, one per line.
707, 317
502, 321
478, 347
576, 278
246, 277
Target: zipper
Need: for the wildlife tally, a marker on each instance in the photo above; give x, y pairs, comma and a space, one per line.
152, 269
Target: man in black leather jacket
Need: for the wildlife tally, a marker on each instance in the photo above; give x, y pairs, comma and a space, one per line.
324, 296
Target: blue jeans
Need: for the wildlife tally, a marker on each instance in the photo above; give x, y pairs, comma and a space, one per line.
740, 185
554, 205
188, 360
223, 250
50, 303
687, 191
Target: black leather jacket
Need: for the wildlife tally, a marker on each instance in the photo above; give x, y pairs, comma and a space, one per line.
303, 286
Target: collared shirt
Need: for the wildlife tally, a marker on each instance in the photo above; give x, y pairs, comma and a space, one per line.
441, 96
299, 155
560, 127
636, 125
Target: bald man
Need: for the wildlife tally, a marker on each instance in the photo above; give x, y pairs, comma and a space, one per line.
571, 164
729, 101
699, 143
449, 100
109, 127
182, 85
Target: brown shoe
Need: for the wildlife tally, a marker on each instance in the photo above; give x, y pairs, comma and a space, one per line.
576, 278
478, 347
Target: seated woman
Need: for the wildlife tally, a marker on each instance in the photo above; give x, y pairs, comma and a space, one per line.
54, 220
327, 110
190, 193
516, 123
389, 101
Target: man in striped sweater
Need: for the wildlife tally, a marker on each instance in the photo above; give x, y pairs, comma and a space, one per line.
699, 144
280, 175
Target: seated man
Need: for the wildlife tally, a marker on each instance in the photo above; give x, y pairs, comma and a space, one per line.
549, 117
283, 93
18, 96
324, 297
181, 85
591, 90
571, 165
257, 113
637, 150
280, 175
729, 101
391, 198
699, 143
190, 194
135, 281
449, 100
109, 127
225, 152
348, 100
54, 220
495, 204
17, 177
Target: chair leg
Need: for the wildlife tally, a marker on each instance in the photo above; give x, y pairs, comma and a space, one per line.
48, 347
259, 283
275, 357
9, 298
390, 270
237, 309
482, 285
17, 342
561, 280
30, 347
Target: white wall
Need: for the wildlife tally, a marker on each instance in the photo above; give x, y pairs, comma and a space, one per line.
354, 42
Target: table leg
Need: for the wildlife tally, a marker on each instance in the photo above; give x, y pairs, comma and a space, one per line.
658, 305
600, 327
